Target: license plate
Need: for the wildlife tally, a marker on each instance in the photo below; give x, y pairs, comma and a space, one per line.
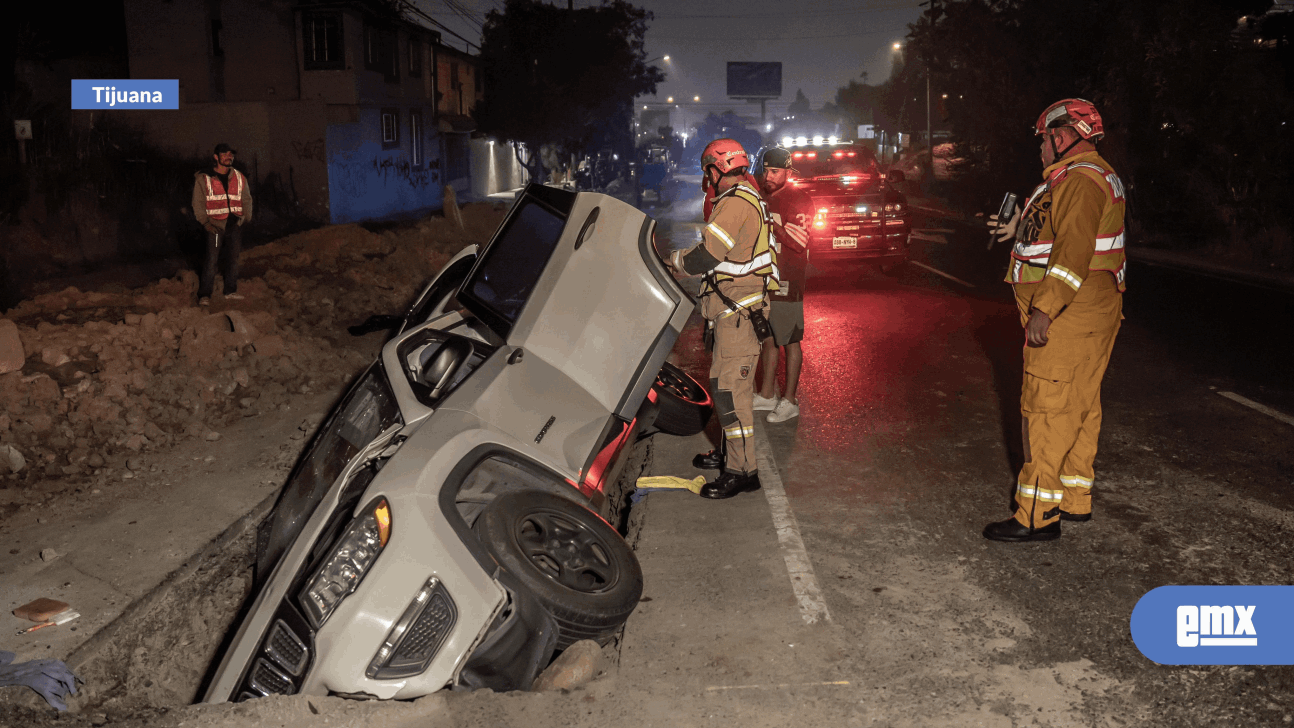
844, 242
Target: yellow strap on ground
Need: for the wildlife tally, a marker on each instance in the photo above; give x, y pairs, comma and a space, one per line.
670, 481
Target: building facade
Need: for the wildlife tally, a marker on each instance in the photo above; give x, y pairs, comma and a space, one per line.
342, 107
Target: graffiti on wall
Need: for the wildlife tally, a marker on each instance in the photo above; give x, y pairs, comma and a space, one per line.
313, 149
403, 170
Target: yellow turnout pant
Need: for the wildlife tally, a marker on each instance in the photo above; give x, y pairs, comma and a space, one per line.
1060, 402
732, 382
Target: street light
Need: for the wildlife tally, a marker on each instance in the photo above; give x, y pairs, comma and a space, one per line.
669, 100
666, 59
696, 98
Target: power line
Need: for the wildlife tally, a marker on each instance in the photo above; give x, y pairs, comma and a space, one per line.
787, 16
778, 37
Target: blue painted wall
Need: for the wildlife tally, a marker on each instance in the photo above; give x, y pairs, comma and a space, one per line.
367, 182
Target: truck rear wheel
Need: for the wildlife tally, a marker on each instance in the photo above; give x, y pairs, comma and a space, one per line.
685, 406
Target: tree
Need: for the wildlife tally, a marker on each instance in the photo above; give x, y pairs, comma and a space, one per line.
800, 105
1193, 108
564, 78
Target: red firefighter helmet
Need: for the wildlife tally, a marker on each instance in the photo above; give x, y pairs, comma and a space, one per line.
724, 155
1076, 113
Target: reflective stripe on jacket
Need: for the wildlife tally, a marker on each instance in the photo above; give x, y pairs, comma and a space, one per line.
762, 260
221, 202
1068, 229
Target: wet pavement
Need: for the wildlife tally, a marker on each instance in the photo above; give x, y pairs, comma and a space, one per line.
908, 444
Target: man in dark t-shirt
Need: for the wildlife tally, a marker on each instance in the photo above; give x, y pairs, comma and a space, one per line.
792, 212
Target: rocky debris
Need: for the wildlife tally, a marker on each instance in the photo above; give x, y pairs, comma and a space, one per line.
48, 554
91, 379
575, 667
10, 456
11, 351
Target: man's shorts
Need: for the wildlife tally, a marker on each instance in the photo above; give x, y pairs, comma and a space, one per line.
787, 320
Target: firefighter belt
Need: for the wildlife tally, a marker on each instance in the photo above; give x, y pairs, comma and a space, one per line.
1060, 402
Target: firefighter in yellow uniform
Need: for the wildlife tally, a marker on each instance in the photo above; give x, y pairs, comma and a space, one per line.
1067, 271
736, 256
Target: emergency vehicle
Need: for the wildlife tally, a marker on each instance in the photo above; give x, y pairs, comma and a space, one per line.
859, 215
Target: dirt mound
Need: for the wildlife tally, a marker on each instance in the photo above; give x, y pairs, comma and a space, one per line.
105, 376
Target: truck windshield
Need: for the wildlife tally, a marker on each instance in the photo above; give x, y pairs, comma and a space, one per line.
511, 266
829, 162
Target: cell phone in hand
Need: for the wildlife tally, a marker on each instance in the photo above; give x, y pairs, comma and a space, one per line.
1007, 210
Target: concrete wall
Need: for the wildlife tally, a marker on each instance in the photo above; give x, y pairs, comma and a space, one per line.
335, 86
172, 39
452, 101
495, 168
281, 145
367, 182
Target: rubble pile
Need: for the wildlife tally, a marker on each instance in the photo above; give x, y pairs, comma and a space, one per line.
90, 379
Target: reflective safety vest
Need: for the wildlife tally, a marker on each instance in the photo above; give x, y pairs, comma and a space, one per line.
222, 202
762, 263
1030, 257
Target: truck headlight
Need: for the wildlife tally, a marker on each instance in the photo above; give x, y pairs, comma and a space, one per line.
351, 558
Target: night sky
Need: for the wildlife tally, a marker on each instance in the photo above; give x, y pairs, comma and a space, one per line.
822, 44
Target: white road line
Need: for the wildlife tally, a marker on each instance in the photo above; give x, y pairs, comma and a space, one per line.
803, 582
1254, 405
777, 685
938, 272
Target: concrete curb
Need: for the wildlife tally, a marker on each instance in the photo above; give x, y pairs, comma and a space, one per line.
143, 606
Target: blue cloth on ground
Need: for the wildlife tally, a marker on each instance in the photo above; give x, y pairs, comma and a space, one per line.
53, 679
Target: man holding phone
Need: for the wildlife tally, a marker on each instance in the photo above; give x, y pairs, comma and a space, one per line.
1067, 271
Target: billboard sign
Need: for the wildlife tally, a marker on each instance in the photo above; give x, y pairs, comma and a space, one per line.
749, 79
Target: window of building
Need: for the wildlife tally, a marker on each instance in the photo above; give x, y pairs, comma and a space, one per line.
322, 39
415, 56
415, 137
390, 129
217, 47
380, 52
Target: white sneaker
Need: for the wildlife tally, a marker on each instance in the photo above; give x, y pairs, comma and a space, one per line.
234, 296
765, 404
204, 301
784, 411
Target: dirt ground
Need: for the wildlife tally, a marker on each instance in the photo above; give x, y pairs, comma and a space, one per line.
110, 378
120, 390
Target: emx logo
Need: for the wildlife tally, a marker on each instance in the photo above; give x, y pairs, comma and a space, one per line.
1171, 624
1224, 626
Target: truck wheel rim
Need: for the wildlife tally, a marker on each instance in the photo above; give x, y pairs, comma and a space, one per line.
681, 387
567, 552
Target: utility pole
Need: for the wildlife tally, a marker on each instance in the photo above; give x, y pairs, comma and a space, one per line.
930, 137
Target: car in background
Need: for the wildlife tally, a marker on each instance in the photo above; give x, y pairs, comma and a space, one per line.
859, 214
448, 524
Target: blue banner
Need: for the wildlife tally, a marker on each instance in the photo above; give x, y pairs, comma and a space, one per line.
1216, 625
127, 93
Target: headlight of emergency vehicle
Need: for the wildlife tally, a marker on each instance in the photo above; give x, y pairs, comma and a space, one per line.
345, 567
895, 207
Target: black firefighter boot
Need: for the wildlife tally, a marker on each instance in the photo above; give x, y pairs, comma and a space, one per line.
729, 484
1013, 531
712, 460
